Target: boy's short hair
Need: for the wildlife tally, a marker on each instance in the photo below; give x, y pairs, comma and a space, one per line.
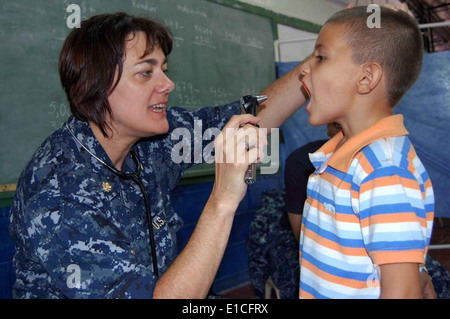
92, 54
397, 46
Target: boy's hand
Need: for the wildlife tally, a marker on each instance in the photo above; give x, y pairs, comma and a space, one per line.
427, 287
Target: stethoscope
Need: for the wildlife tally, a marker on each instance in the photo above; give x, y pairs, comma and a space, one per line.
135, 176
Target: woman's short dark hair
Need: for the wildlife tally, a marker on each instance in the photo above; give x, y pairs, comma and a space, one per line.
92, 54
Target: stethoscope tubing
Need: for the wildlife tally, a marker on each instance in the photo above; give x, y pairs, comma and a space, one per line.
135, 176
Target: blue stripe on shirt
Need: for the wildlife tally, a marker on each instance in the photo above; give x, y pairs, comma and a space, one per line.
335, 271
352, 243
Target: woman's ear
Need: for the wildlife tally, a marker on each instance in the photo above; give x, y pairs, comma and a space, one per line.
370, 77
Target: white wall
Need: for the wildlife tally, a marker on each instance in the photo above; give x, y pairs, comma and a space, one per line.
296, 51
316, 11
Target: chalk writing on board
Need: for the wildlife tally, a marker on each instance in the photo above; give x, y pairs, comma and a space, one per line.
187, 94
247, 42
143, 5
173, 25
203, 36
186, 9
85, 8
58, 110
186, 87
253, 42
188, 100
203, 30
178, 41
204, 41
58, 113
220, 93
231, 37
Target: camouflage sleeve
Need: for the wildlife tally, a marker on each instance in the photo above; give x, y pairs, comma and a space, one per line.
192, 134
79, 254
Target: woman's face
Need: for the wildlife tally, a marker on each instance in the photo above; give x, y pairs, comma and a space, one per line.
138, 103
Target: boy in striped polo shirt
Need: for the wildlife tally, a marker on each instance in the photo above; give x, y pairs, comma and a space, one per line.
368, 216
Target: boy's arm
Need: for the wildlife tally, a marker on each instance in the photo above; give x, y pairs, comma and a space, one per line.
284, 98
295, 220
396, 223
400, 281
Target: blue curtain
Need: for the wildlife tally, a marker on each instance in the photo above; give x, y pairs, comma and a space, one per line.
426, 109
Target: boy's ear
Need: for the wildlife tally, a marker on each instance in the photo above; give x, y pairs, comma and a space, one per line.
371, 75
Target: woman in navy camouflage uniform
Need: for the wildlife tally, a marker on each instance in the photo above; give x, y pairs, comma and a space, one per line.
74, 216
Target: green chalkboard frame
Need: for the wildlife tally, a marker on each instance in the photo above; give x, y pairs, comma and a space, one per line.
276, 18
207, 174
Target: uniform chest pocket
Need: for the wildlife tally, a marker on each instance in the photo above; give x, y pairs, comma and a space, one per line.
95, 227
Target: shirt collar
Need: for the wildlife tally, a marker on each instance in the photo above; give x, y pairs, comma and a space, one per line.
341, 159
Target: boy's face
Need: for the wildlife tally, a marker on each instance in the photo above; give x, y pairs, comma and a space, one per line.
330, 78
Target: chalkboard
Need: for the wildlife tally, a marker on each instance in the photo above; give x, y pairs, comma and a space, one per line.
220, 53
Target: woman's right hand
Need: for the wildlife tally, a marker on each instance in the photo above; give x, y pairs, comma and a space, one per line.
233, 158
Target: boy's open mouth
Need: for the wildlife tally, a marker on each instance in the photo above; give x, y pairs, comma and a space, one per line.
305, 89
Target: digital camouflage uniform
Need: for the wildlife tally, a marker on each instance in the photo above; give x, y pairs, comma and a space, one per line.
272, 247
70, 209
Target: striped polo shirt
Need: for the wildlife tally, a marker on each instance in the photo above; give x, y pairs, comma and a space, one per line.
369, 203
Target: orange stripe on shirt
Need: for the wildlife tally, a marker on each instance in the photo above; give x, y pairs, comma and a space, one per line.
333, 278
306, 295
427, 184
389, 181
349, 251
395, 257
411, 156
336, 181
393, 219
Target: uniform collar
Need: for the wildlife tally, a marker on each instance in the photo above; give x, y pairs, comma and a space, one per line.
341, 159
83, 132
108, 183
